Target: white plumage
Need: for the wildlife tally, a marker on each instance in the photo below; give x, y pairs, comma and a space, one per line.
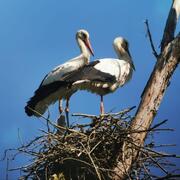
112, 68
52, 86
62, 70
176, 5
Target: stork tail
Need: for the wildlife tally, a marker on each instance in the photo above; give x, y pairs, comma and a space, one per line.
43, 96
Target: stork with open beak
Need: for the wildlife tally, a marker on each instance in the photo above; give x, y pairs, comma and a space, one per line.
104, 76
52, 87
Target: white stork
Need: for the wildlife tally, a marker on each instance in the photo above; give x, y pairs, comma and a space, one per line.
52, 87
104, 76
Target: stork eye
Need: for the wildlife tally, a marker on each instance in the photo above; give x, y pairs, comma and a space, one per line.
84, 36
126, 44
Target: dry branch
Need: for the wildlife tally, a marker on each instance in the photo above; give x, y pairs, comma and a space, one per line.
153, 93
150, 39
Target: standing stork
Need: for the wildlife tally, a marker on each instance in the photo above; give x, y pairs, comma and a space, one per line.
53, 87
104, 76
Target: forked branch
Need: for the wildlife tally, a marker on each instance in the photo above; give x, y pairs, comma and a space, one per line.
153, 93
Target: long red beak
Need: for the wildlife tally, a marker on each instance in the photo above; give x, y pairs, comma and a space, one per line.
88, 45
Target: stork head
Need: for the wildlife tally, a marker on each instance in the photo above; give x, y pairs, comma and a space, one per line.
121, 47
120, 44
83, 35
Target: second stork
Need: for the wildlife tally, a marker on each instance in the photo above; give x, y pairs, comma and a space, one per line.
104, 76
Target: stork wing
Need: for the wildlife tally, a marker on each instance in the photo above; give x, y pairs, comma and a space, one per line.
89, 73
62, 70
42, 93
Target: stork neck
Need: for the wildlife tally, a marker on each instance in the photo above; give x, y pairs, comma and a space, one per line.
125, 55
84, 50
122, 54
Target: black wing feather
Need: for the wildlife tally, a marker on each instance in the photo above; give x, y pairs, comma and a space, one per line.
41, 93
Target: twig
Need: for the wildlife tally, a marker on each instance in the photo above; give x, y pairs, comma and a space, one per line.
144, 150
126, 172
96, 169
159, 124
79, 160
7, 169
150, 39
147, 172
104, 115
85, 115
125, 111
169, 176
164, 170
164, 145
57, 126
142, 131
47, 122
20, 138
46, 173
95, 147
38, 176
88, 164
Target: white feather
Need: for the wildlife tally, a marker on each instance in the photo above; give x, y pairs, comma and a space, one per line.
80, 82
105, 85
114, 67
176, 5
60, 71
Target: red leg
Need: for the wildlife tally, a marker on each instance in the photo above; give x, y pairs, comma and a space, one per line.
67, 111
60, 106
102, 105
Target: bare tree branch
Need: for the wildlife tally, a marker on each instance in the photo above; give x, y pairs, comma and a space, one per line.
169, 176
153, 93
150, 39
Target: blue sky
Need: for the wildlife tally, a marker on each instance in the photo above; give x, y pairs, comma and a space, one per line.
36, 36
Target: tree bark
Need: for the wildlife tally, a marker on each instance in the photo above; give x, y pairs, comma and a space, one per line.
153, 93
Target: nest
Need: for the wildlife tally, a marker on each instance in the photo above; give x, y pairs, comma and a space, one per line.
87, 151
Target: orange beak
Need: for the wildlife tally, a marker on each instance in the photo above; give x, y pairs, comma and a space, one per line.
88, 45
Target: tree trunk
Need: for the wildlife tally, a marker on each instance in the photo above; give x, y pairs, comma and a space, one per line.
153, 93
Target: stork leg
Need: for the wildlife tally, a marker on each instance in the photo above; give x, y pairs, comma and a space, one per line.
60, 106
67, 111
102, 105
